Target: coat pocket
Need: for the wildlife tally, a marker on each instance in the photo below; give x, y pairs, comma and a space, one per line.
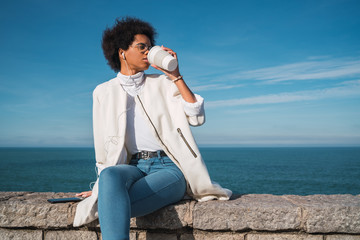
186, 142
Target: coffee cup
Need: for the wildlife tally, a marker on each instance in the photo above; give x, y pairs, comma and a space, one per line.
162, 58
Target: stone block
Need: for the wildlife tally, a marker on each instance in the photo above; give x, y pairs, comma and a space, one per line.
70, 235
256, 212
33, 210
171, 217
278, 236
342, 237
4, 196
203, 235
329, 213
7, 234
132, 235
156, 236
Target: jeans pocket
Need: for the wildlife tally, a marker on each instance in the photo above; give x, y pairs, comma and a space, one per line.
167, 162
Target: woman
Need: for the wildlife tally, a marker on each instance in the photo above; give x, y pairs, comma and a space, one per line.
145, 153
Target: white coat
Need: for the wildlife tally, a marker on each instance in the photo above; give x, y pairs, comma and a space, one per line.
162, 108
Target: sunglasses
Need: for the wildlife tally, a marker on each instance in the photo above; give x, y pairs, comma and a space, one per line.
142, 47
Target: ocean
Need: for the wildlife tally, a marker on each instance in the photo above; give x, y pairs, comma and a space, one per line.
279, 171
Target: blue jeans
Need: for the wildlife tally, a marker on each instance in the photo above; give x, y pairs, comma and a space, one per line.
137, 189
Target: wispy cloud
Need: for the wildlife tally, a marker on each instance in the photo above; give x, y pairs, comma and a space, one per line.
210, 87
350, 88
251, 110
308, 70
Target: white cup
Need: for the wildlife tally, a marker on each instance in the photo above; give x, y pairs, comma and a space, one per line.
162, 58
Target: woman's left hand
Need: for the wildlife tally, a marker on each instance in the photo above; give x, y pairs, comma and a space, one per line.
84, 194
173, 74
185, 92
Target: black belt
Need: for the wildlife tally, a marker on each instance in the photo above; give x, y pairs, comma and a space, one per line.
146, 155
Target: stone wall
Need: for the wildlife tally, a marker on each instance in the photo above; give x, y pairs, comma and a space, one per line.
27, 215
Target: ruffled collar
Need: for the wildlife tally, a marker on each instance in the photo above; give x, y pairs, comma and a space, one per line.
132, 84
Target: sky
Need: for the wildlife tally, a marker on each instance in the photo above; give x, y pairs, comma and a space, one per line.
272, 73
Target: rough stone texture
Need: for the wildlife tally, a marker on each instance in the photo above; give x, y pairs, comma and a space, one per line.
283, 237
329, 213
71, 215
156, 236
203, 235
33, 210
69, 235
132, 235
342, 237
7, 195
171, 217
257, 212
6, 234
28, 215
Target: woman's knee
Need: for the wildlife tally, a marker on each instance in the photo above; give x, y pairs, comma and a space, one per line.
108, 173
119, 175
112, 174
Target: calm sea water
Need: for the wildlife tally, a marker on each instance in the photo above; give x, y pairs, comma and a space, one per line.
301, 171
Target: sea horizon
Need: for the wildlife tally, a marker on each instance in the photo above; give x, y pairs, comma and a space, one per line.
276, 170
213, 146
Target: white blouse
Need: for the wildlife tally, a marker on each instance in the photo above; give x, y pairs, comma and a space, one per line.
138, 135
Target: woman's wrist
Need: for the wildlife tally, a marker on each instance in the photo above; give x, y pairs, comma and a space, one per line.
185, 92
180, 77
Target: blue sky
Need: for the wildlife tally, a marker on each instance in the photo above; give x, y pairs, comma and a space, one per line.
273, 73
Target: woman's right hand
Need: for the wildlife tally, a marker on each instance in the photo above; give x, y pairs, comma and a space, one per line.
84, 194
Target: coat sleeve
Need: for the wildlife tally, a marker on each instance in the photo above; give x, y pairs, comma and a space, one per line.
98, 132
193, 120
197, 120
195, 112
